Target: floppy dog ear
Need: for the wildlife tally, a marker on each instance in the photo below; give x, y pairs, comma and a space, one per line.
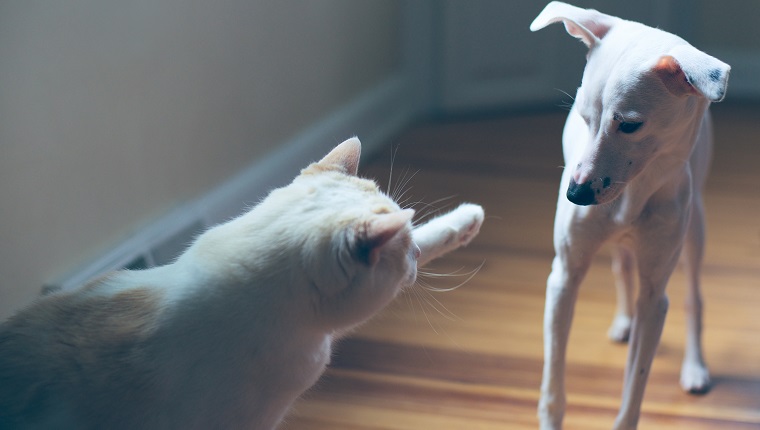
687, 70
587, 25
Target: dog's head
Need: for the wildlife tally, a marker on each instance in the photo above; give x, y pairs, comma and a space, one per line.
642, 97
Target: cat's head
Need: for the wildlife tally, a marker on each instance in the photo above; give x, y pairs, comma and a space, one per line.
357, 250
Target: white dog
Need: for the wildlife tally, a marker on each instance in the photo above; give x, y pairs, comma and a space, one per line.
637, 145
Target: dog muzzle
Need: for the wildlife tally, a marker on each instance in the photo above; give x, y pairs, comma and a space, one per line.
581, 194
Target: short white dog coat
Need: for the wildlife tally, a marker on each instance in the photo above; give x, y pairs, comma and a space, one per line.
637, 146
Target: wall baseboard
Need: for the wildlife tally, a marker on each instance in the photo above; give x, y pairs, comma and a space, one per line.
374, 116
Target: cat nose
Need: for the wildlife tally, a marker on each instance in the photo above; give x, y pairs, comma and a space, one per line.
417, 251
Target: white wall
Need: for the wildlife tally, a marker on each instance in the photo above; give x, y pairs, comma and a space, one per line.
112, 113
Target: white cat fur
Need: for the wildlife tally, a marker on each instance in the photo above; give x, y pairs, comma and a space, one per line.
230, 334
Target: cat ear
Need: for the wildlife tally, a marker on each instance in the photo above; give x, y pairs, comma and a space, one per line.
587, 25
379, 231
345, 157
687, 70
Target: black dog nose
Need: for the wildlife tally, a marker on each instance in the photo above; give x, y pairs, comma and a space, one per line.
581, 194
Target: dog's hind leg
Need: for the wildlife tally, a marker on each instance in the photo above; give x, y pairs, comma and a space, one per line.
695, 378
624, 268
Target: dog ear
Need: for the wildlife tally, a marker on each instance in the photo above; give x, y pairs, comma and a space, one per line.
588, 25
686, 70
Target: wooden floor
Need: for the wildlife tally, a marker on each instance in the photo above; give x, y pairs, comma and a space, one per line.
471, 358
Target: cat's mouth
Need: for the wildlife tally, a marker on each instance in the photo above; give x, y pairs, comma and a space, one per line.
411, 277
416, 252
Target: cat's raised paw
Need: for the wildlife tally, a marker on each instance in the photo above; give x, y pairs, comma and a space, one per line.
447, 232
466, 221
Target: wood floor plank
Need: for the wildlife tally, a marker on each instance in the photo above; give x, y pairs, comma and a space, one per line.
471, 358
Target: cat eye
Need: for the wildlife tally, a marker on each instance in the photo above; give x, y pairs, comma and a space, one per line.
629, 127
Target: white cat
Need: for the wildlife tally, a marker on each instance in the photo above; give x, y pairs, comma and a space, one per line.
230, 334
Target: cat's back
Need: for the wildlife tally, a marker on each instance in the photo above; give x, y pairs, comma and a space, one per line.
62, 350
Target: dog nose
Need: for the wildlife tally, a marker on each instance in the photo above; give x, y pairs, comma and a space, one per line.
581, 194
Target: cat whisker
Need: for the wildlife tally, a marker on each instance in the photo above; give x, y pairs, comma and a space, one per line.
401, 187
469, 275
403, 203
431, 322
393, 160
436, 304
420, 300
565, 104
423, 291
565, 93
431, 208
430, 214
401, 199
399, 191
395, 189
411, 294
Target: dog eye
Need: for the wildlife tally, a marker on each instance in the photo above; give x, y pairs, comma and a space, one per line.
629, 127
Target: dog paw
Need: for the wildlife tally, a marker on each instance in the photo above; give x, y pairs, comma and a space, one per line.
695, 378
620, 329
550, 413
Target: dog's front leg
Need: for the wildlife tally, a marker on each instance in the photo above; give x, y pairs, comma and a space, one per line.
655, 268
561, 292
